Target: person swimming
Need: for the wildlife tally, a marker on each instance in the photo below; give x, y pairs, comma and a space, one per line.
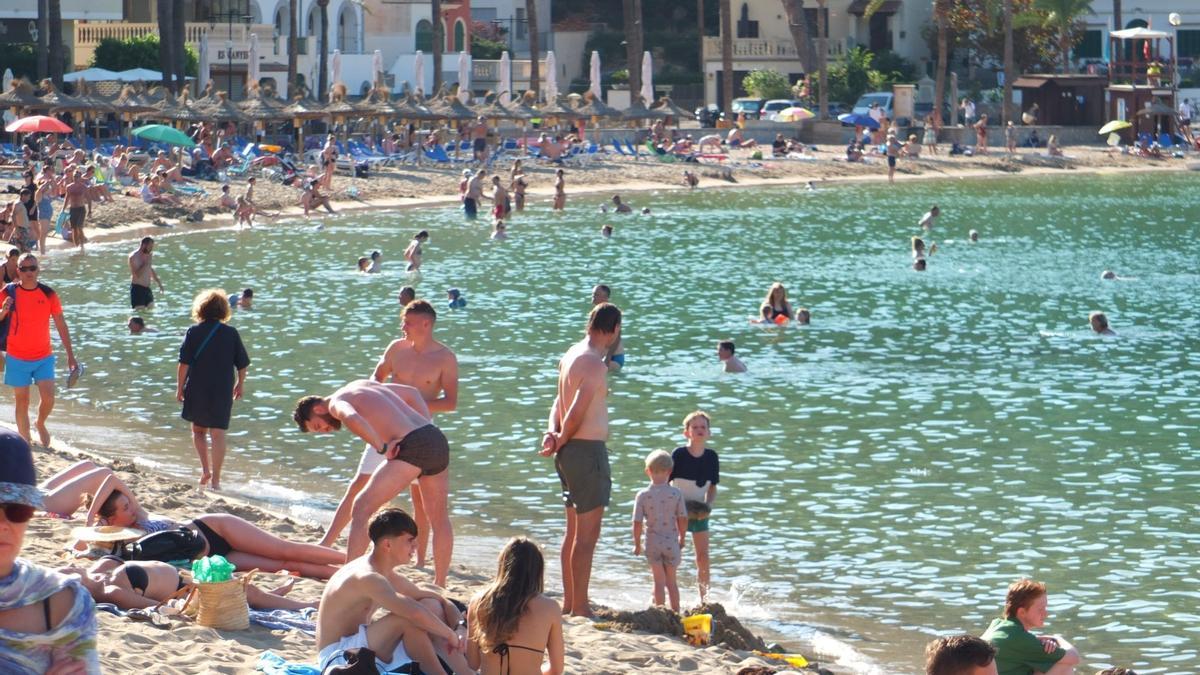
455, 300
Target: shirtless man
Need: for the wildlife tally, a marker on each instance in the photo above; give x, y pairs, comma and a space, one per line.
417, 625
620, 206
614, 357
474, 194
413, 253
141, 273
395, 421
578, 429
501, 204
479, 139
729, 362
76, 205
419, 361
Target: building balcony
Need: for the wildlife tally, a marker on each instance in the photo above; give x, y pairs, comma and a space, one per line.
767, 49
89, 34
485, 75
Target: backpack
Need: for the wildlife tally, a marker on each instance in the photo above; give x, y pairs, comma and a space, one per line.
6, 323
165, 546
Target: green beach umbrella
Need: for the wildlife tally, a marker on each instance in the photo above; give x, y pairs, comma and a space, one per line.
162, 133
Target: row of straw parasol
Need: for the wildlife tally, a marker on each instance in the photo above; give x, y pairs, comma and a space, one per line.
262, 107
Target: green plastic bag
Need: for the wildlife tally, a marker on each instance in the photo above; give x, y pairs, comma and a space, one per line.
212, 569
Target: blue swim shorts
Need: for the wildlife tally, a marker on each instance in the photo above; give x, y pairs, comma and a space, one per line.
22, 373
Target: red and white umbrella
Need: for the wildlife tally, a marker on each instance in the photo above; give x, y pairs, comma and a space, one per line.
38, 124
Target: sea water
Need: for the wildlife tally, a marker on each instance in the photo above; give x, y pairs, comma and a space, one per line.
885, 472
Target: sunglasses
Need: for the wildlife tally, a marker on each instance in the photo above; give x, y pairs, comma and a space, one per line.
18, 513
28, 268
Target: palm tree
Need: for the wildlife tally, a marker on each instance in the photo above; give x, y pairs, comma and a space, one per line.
56, 42
439, 42
179, 37
43, 39
798, 27
535, 80
1064, 16
293, 47
323, 64
726, 57
1009, 68
166, 45
632, 14
941, 11
822, 61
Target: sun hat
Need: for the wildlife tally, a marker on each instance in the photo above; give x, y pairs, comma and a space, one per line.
106, 533
19, 484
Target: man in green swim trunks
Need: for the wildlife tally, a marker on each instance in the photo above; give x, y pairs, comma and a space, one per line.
1020, 652
576, 439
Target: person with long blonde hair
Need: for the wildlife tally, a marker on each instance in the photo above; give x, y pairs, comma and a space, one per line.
209, 358
511, 624
778, 302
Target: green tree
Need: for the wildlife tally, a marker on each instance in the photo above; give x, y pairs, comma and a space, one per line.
767, 84
484, 48
1065, 16
853, 76
139, 52
979, 26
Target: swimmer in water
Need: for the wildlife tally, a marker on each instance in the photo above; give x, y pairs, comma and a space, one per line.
137, 326
620, 206
407, 295
730, 362
499, 230
364, 265
764, 316
455, 300
1100, 323
803, 317
646, 211
413, 253
376, 262
930, 218
811, 186
606, 231
973, 235
560, 190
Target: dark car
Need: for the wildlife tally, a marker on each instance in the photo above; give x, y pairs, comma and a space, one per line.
708, 115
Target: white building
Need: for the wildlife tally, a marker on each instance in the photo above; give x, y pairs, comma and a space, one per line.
1145, 13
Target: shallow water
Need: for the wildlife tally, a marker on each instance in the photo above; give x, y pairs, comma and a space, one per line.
886, 472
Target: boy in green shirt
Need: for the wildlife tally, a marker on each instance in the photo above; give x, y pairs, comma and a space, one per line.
1020, 652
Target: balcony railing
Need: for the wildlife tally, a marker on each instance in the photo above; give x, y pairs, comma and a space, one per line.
489, 71
89, 34
766, 48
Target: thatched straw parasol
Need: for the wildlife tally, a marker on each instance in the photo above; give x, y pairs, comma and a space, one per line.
637, 111
97, 106
223, 110
595, 108
300, 110
20, 97
452, 109
521, 107
56, 101
419, 109
261, 106
665, 104
557, 109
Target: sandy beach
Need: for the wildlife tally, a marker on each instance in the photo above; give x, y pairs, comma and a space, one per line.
126, 646
430, 184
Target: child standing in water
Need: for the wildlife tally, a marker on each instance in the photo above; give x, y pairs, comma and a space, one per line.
696, 472
661, 507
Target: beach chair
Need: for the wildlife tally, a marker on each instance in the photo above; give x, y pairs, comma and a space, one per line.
439, 155
633, 150
240, 169
1164, 141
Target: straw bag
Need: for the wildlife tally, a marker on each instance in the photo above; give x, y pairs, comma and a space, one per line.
221, 605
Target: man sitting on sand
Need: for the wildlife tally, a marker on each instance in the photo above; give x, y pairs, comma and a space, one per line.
1020, 652
417, 625
959, 655
736, 139
394, 420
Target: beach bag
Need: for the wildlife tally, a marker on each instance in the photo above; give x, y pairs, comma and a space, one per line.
221, 605
359, 661
166, 546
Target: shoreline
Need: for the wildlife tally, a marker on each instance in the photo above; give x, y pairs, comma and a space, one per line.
602, 645
771, 172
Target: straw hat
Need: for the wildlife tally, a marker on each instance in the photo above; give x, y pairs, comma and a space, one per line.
106, 533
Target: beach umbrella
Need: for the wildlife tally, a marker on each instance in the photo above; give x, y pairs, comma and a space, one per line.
1156, 108
856, 120
262, 107
301, 110
35, 124
595, 75
252, 75
551, 91
205, 70
139, 75
637, 111
20, 96
505, 78
556, 109
377, 68
794, 114
56, 101
419, 70
464, 77
224, 110
520, 109
1115, 125
92, 75
98, 106
595, 108
451, 108
647, 77
667, 107
161, 133
335, 67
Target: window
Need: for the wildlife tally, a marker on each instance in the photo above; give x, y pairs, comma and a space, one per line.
810, 18
522, 24
745, 27
424, 36
1090, 47
460, 35
1189, 43
484, 14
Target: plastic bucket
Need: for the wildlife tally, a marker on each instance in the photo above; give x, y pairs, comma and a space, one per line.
698, 628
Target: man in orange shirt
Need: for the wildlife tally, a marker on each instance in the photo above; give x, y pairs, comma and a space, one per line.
30, 306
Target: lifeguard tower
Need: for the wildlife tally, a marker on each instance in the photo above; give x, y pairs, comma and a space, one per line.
1141, 81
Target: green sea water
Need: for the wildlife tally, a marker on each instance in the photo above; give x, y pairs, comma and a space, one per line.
886, 471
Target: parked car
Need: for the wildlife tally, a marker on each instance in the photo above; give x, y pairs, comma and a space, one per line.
708, 115
752, 107
771, 108
881, 98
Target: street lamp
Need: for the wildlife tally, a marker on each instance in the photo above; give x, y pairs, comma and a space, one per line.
1174, 19
228, 15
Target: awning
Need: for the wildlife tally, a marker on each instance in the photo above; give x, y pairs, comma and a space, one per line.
859, 7
1139, 34
1030, 82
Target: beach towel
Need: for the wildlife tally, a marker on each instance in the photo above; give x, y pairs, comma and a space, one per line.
273, 664
73, 637
286, 619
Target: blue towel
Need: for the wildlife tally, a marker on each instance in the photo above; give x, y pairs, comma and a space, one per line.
286, 619
273, 664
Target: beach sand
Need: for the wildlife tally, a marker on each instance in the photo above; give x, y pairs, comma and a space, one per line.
128, 646
431, 184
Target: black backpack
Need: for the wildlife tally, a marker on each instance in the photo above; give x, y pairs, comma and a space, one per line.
166, 546
6, 323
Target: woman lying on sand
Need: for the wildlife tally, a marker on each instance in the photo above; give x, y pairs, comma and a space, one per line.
511, 623
242, 543
146, 583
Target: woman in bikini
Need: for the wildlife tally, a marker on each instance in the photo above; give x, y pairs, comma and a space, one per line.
328, 162
511, 624
144, 584
778, 303
517, 185
981, 145
560, 191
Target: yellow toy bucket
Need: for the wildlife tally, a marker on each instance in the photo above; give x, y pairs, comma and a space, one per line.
697, 628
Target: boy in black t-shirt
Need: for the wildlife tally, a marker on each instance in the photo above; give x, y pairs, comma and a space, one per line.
696, 473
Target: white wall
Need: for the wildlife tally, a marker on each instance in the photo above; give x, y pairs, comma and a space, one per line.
569, 47
91, 10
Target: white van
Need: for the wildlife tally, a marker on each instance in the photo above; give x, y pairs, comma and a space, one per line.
882, 98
